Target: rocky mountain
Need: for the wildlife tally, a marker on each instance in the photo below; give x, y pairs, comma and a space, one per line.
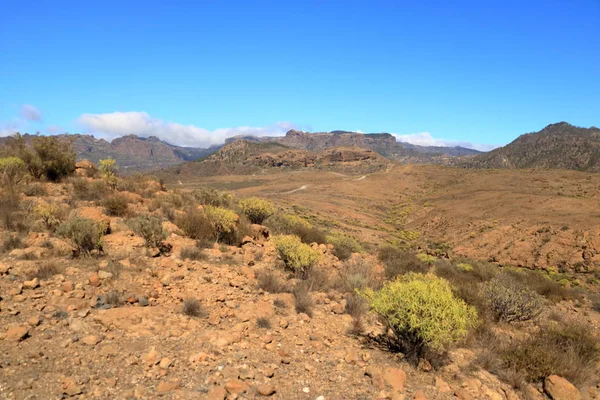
382, 143
133, 153
245, 157
561, 146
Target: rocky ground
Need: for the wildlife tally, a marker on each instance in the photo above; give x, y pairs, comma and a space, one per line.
113, 327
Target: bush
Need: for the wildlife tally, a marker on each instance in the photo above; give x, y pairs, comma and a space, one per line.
399, 262
269, 282
356, 274
35, 189
51, 215
11, 242
44, 271
193, 308
263, 323
222, 220
297, 256
569, 351
12, 171
212, 197
344, 246
257, 210
116, 205
150, 228
9, 206
284, 224
511, 301
192, 253
422, 312
84, 234
196, 225
109, 168
302, 300
539, 282
55, 157
84, 189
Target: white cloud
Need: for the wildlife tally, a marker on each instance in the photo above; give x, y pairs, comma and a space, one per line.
425, 139
116, 124
30, 113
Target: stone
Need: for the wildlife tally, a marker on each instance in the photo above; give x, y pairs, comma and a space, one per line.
32, 284
90, 340
151, 358
67, 286
70, 387
34, 321
166, 386
441, 385
104, 274
531, 393
351, 357
420, 395
235, 386
395, 377
17, 334
376, 376
95, 280
266, 390
165, 363
216, 393
558, 388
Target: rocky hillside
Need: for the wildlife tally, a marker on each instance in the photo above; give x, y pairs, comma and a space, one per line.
132, 153
561, 146
382, 143
245, 157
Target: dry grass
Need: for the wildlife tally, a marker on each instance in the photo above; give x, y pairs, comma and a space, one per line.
45, 271
116, 205
193, 253
263, 323
399, 262
303, 301
269, 281
193, 308
356, 274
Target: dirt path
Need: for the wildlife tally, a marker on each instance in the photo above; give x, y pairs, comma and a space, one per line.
296, 190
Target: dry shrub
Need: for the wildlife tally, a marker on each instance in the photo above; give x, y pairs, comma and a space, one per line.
193, 253
303, 301
44, 271
113, 298
540, 283
397, 261
84, 189
116, 205
570, 351
197, 226
84, 234
11, 242
310, 234
344, 246
269, 281
317, 280
9, 207
35, 189
355, 274
212, 197
356, 306
512, 301
193, 308
149, 227
263, 323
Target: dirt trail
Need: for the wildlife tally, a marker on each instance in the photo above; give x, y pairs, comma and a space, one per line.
296, 190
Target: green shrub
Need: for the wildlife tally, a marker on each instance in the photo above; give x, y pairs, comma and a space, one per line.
422, 312
511, 301
344, 246
222, 220
56, 157
286, 224
212, 197
297, 256
109, 168
398, 261
149, 227
116, 205
12, 171
84, 234
195, 225
257, 210
51, 214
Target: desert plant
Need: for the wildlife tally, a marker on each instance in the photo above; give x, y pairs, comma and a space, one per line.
287, 224
192, 253
196, 225
149, 227
268, 281
511, 301
212, 197
116, 205
11, 242
257, 210
56, 156
44, 271
263, 323
83, 233
192, 307
9, 206
297, 256
356, 274
422, 312
35, 189
12, 171
222, 220
109, 168
51, 214
84, 189
303, 301
344, 246
397, 261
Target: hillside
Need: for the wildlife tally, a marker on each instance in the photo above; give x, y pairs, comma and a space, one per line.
247, 157
132, 153
560, 146
382, 143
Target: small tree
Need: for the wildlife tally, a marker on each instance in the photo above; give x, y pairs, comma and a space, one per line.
56, 156
109, 168
297, 256
422, 311
257, 210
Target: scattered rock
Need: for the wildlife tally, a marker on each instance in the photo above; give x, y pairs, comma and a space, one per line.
90, 340
32, 284
235, 386
17, 334
70, 387
266, 390
559, 388
395, 377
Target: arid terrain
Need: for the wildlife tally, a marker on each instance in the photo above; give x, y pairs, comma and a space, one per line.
264, 285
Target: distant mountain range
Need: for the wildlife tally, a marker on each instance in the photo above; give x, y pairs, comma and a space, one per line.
560, 146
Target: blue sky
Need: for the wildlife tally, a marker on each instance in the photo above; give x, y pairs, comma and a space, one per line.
194, 72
